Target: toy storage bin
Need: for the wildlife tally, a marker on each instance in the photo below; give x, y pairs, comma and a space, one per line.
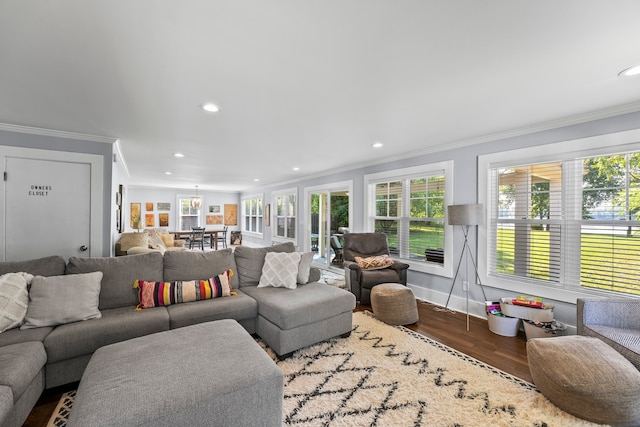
533, 331
502, 325
528, 313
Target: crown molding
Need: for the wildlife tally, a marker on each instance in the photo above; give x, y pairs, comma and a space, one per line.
56, 133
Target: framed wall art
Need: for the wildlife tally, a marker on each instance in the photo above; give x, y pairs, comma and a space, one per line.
149, 220
163, 219
134, 216
214, 219
231, 214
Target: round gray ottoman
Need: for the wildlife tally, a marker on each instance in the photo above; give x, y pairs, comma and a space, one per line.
394, 304
586, 378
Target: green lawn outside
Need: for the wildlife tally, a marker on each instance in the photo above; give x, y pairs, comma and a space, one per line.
423, 236
607, 262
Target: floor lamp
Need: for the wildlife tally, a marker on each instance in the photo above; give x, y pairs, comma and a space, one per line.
465, 216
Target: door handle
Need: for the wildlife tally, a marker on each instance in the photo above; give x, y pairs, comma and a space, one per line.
83, 248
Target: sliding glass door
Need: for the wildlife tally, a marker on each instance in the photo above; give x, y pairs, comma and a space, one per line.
328, 211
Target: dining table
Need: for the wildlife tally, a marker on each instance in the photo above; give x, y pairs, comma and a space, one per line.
213, 236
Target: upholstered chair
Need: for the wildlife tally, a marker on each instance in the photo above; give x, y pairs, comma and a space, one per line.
360, 280
616, 321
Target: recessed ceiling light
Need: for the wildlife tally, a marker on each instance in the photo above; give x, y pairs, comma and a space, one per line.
256, 179
210, 108
167, 173
178, 155
296, 168
377, 145
633, 71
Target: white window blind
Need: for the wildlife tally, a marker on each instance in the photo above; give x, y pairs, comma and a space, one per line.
572, 222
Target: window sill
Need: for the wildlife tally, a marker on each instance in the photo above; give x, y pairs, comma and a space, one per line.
557, 293
429, 268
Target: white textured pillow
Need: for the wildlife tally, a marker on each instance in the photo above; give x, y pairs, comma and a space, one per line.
280, 270
57, 300
304, 268
14, 299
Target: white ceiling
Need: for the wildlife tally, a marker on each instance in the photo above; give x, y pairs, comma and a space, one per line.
308, 83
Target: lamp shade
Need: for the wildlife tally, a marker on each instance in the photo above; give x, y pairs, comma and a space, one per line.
471, 214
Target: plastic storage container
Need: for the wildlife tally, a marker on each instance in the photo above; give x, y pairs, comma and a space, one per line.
527, 313
502, 325
534, 331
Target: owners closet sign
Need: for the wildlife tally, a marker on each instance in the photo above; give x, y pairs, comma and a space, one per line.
40, 190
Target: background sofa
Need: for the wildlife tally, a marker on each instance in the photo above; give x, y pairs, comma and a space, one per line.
149, 240
286, 319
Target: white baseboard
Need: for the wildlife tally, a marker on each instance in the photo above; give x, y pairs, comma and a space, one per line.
476, 309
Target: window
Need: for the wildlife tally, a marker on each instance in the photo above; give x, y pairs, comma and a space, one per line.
569, 220
188, 216
408, 205
252, 214
285, 214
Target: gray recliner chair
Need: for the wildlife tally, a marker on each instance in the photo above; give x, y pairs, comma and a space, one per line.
360, 281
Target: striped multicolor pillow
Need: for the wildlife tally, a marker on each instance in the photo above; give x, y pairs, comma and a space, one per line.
156, 294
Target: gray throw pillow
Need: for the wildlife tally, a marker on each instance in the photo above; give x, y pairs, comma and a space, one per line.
250, 261
280, 270
57, 300
14, 299
304, 269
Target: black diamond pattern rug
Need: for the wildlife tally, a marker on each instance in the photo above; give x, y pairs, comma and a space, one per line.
391, 376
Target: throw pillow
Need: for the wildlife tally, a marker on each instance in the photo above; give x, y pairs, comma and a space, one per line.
156, 294
374, 262
168, 240
57, 300
280, 270
155, 242
14, 299
304, 268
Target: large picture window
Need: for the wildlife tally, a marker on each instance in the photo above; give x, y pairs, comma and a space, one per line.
408, 205
569, 222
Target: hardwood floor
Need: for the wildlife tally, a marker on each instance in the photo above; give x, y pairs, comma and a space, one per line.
506, 353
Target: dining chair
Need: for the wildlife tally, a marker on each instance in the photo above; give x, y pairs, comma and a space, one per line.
197, 237
221, 237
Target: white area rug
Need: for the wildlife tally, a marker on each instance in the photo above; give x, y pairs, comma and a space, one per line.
391, 376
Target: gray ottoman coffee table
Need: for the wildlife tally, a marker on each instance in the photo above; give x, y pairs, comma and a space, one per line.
210, 374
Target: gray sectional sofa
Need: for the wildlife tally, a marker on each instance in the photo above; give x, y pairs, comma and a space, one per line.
45, 357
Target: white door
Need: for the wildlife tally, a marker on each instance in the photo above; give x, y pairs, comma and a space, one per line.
47, 208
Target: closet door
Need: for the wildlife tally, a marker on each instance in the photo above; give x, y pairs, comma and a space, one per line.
47, 208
